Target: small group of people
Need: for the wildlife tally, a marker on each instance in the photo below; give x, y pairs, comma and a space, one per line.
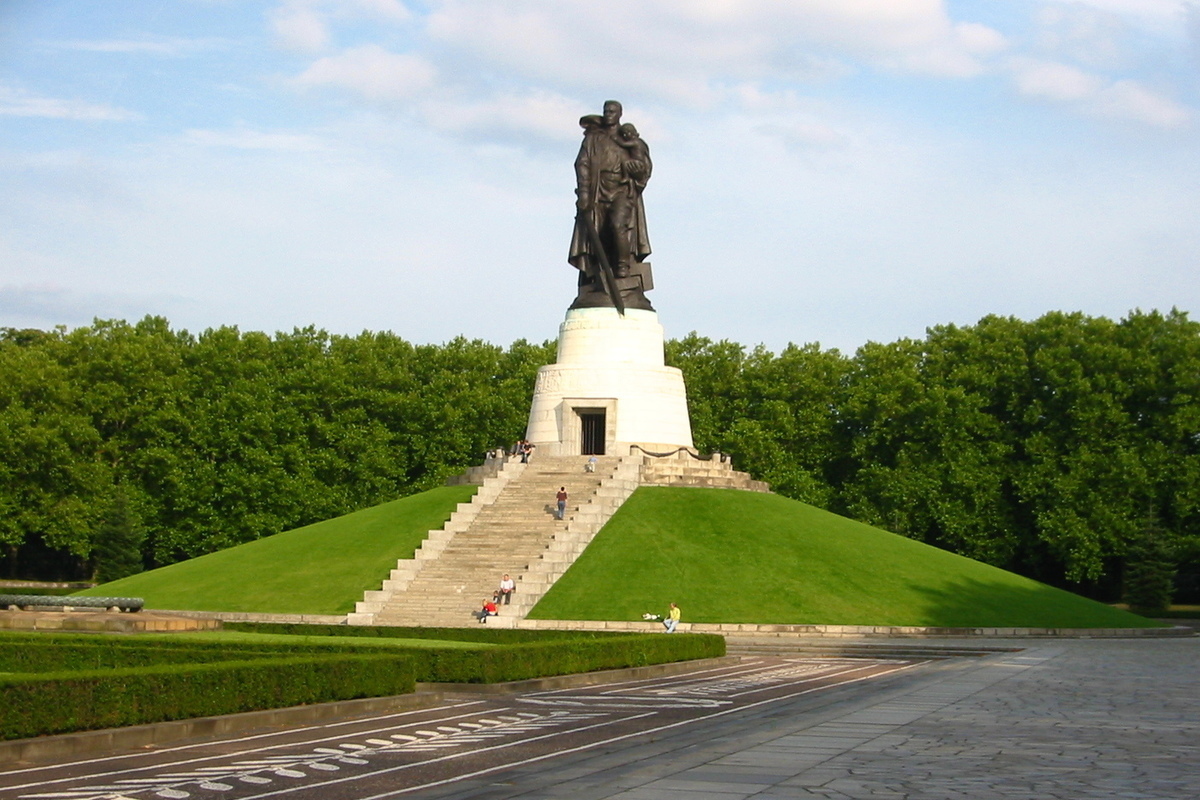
502, 596
523, 449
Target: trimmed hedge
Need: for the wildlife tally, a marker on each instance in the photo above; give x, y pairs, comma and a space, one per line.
544, 659
477, 633
40, 658
58, 702
40, 653
529, 654
66, 682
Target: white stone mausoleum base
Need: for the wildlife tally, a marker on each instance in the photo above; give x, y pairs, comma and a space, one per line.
610, 363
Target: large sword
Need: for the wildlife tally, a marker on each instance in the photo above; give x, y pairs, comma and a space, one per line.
606, 274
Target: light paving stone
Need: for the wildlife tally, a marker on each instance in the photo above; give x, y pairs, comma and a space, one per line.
1100, 719
697, 782
658, 793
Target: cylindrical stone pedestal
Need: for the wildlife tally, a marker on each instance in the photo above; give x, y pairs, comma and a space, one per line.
609, 388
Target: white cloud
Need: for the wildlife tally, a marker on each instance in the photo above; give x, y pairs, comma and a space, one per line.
298, 26
304, 25
370, 71
805, 134
393, 10
1130, 100
1055, 81
1160, 15
979, 39
252, 140
151, 45
19, 103
1083, 34
682, 49
541, 114
959, 55
1122, 99
1192, 27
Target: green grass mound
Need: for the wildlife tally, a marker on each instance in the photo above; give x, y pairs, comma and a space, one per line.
318, 569
731, 556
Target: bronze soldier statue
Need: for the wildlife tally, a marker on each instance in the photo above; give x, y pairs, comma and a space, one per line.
609, 245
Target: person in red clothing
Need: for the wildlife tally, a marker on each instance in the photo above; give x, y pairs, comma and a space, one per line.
489, 610
562, 501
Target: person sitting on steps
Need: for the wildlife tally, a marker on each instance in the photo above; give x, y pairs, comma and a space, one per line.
489, 609
505, 592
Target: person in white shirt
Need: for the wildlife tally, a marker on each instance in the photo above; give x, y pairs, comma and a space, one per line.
505, 592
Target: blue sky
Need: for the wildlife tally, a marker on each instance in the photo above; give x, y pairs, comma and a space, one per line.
834, 171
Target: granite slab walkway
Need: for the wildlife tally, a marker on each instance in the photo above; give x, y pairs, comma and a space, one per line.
1074, 719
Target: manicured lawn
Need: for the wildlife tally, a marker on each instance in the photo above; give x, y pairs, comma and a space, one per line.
730, 556
318, 569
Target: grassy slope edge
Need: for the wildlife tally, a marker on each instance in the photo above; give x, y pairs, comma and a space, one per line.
322, 568
731, 556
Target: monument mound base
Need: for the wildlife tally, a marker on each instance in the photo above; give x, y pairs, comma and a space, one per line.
609, 388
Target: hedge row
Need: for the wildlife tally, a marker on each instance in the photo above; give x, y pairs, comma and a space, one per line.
68, 682
60, 702
483, 634
529, 654
36, 657
544, 659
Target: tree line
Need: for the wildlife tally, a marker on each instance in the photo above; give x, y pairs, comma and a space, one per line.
1065, 448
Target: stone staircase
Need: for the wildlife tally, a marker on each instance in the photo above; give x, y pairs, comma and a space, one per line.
684, 468
621, 478
509, 526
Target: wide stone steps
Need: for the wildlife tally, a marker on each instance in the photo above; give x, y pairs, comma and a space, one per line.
510, 527
510, 533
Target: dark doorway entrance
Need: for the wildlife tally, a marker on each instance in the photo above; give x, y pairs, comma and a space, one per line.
593, 425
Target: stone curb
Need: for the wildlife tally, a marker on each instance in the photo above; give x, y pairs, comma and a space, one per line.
249, 616
732, 628
857, 631
727, 628
91, 743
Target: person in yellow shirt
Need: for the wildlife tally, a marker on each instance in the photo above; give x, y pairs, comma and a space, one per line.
672, 618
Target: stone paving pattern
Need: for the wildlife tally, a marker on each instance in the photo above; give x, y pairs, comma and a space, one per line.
1074, 719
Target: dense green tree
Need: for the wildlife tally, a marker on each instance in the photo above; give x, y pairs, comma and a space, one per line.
1035, 446
118, 547
1149, 579
927, 459
776, 416
52, 479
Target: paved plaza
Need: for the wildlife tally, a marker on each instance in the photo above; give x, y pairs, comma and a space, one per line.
1047, 718
1067, 719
